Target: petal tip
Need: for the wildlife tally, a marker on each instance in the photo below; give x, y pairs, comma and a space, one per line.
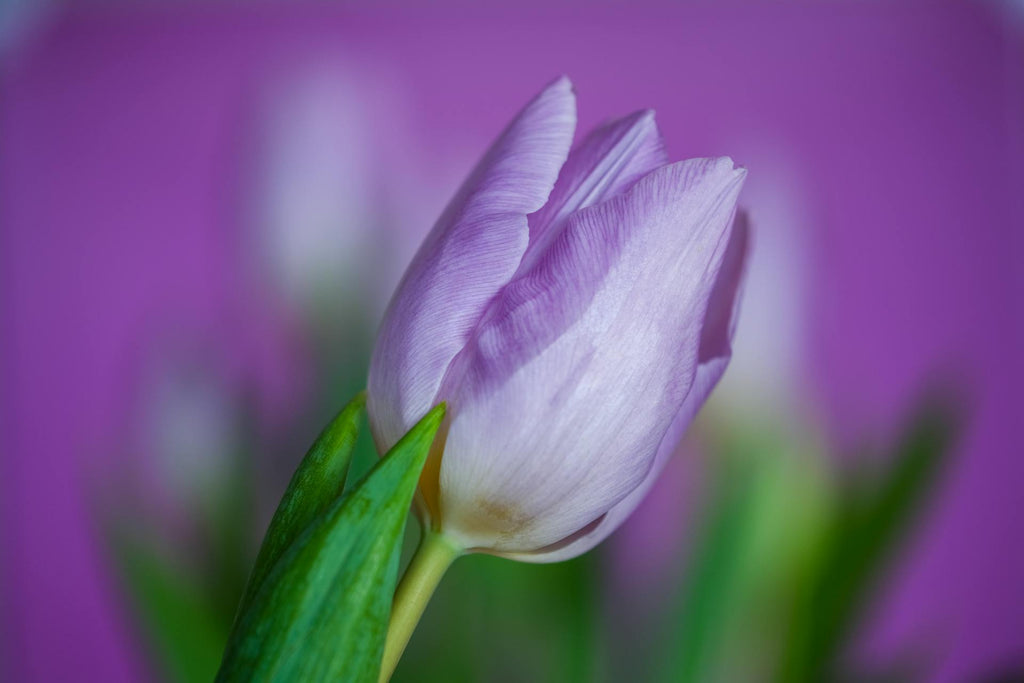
641, 118
558, 100
727, 163
562, 86
728, 168
562, 81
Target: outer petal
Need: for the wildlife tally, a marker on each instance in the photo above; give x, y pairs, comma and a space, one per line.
605, 164
618, 301
472, 251
714, 355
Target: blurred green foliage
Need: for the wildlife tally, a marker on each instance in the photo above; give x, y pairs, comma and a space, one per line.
786, 551
185, 633
496, 620
872, 515
794, 550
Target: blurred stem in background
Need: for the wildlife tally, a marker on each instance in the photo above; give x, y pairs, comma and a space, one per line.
184, 588
184, 570
867, 526
792, 551
768, 492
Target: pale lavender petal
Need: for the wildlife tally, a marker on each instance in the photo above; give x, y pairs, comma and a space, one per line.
605, 164
715, 352
472, 251
613, 311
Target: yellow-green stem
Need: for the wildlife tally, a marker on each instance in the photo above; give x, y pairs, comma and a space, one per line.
433, 557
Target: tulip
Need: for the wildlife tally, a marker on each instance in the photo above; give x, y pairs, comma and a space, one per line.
574, 309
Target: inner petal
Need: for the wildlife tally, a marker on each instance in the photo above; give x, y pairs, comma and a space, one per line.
607, 163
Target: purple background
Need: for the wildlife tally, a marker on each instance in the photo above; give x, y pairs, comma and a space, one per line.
899, 128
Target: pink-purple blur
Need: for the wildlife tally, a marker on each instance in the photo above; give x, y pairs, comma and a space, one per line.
192, 197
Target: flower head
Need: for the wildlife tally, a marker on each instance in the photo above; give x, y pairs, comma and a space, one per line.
574, 309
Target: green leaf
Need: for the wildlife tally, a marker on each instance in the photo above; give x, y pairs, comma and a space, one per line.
317, 483
322, 611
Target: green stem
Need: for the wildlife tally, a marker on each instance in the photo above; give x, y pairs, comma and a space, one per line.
433, 557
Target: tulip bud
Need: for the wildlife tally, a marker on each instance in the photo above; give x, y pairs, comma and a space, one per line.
574, 310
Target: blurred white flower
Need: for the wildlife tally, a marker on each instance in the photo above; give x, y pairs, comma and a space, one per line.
315, 187
338, 185
190, 422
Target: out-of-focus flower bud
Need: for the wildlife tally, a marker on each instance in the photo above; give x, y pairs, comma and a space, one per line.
574, 309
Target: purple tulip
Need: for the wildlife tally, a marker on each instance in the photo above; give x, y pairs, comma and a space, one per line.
574, 309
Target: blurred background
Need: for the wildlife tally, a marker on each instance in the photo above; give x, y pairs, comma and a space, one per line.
204, 210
